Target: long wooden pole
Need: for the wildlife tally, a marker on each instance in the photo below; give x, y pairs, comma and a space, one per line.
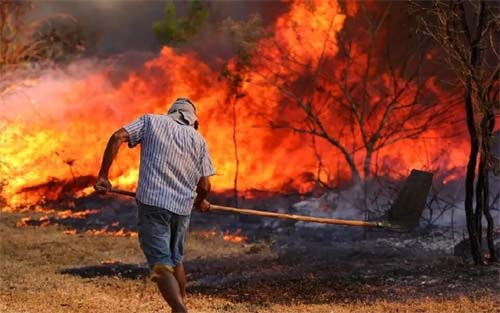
294, 217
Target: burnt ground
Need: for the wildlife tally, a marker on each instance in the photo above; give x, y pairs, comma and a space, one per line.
322, 276
282, 266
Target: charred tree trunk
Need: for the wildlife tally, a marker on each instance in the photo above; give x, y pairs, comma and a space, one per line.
471, 168
474, 218
366, 174
469, 180
356, 177
236, 158
480, 195
367, 163
487, 126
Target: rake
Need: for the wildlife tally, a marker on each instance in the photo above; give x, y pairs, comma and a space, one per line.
403, 216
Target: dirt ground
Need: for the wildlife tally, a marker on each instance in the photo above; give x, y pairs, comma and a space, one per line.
44, 270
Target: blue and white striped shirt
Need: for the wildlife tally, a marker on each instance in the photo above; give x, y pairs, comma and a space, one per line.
173, 158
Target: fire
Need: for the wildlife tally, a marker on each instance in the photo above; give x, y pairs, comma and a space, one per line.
106, 231
77, 215
110, 262
23, 222
51, 217
54, 218
207, 234
237, 237
54, 129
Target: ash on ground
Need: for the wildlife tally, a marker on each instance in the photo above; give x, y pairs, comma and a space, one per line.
294, 261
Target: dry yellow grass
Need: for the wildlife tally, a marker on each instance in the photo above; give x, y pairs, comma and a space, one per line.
32, 259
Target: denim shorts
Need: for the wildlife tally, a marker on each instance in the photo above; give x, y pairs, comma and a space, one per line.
161, 235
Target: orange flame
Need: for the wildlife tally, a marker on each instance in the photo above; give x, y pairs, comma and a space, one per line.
105, 231
237, 237
52, 217
207, 234
70, 232
56, 128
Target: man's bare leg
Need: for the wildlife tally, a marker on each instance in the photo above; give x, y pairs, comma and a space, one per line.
169, 288
180, 276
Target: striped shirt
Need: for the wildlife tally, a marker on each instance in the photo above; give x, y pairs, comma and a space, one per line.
173, 158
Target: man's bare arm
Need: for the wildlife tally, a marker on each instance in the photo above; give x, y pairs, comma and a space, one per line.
202, 189
114, 142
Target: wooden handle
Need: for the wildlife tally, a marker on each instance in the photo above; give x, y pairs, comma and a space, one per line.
122, 192
294, 217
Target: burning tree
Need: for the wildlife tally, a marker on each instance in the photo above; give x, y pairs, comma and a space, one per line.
468, 33
347, 85
245, 35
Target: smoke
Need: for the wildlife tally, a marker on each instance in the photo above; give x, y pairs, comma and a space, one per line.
41, 96
110, 26
444, 205
115, 27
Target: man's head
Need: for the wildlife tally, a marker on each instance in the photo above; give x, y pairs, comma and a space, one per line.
183, 112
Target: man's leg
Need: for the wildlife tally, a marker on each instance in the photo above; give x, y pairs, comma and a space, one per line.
169, 289
180, 276
180, 225
154, 225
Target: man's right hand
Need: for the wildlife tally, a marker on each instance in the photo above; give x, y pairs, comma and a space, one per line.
102, 185
203, 206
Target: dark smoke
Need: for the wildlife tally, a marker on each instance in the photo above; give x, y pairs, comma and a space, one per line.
116, 27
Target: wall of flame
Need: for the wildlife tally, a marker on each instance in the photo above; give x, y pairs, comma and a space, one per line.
55, 126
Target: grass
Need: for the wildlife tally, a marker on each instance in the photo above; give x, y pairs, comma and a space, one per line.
32, 259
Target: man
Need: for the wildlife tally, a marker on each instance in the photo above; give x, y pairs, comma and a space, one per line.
174, 163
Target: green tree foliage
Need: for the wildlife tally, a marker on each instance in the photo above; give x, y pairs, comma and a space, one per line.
172, 30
